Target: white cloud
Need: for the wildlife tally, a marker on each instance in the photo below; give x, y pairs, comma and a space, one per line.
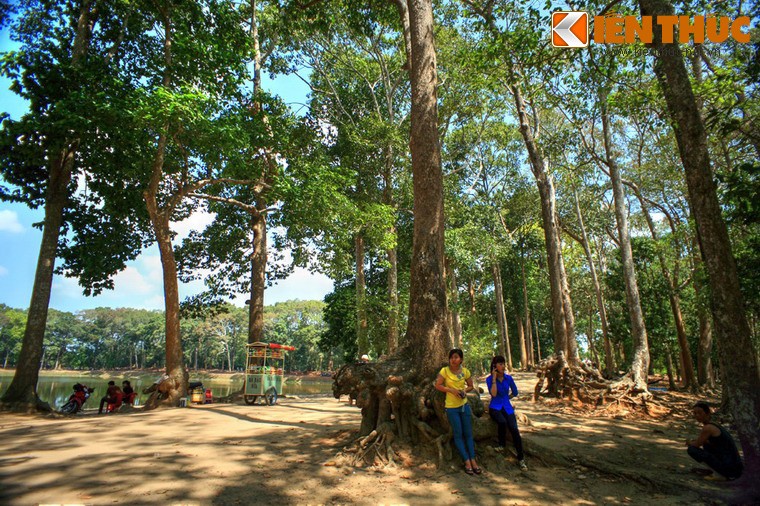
196, 221
301, 284
132, 281
138, 286
3, 271
9, 222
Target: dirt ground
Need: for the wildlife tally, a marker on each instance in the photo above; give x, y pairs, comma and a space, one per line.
285, 454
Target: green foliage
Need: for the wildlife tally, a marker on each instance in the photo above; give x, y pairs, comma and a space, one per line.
105, 338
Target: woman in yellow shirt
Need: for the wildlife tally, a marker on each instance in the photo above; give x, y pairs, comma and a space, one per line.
455, 380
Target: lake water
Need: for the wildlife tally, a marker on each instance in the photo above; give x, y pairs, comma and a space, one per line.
57, 389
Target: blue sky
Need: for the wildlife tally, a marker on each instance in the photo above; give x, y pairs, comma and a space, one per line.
139, 285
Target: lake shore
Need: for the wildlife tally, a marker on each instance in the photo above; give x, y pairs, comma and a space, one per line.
126, 373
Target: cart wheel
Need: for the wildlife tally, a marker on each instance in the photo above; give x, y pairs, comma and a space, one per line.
271, 397
250, 399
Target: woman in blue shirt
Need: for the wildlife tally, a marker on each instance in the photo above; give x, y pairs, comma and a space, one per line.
502, 387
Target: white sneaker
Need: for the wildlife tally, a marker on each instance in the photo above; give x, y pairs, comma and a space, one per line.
523, 465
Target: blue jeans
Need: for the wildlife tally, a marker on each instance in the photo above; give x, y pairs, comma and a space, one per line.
460, 420
506, 422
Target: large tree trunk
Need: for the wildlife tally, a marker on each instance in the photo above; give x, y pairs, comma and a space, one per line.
731, 327
427, 328
609, 358
640, 363
22, 392
258, 276
259, 256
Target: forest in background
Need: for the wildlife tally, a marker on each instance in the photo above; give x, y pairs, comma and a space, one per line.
123, 338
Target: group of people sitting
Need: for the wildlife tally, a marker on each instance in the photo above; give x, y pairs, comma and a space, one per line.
116, 396
714, 446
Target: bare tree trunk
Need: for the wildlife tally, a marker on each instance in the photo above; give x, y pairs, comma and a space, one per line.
258, 276
640, 363
705, 375
531, 358
591, 344
456, 322
609, 358
571, 341
687, 365
731, 326
259, 255
705, 369
427, 295
538, 341
159, 218
521, 339
392, 298
531, 352
669, 367
391, 253
471, 293
362, 339
22, 392
501, 315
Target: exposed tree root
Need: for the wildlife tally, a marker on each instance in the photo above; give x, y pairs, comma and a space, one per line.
163, 394
28, 407
582, 383
401, 410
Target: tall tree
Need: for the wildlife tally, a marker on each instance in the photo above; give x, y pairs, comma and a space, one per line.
640, 363
731, 327
427, 297
54, 145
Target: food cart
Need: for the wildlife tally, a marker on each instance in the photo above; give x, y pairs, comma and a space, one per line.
265, 366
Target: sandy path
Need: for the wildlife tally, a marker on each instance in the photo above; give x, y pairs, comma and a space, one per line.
235, 454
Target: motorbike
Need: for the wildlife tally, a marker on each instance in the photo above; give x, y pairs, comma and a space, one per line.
77, 399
